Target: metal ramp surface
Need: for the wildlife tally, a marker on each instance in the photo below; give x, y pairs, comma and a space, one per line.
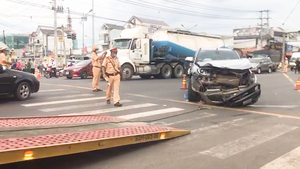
32, 138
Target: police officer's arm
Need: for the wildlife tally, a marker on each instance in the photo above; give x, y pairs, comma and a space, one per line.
104, 67
94, 56
102, 56
2, 57
119, 67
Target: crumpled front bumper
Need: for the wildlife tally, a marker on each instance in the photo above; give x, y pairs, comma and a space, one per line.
244, 97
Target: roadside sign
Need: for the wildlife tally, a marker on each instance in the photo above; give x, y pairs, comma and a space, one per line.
60, 39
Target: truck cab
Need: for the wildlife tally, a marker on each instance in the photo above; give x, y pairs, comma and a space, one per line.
133, 54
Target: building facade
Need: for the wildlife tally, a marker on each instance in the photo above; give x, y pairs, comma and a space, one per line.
107, 33
15, 41
44, 41
149, 26
254, 38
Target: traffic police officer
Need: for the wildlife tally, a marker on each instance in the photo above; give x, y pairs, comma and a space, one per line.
111, 72
3, 60
96, 68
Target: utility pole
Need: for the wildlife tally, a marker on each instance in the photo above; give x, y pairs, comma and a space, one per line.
84, 18
93, 22
268, 22
82, 33
263, 24
261, 27
283, 49
55, 28
4, 38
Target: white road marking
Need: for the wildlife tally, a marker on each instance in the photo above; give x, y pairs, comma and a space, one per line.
224, 125
62, 101
290, 160
51, 90
229, 149
275, 106
202, 116
71, 96
109, 110
196, 133
60, 93
78, 106
150, 113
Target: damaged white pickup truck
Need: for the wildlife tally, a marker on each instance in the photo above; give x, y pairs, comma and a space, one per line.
221, 77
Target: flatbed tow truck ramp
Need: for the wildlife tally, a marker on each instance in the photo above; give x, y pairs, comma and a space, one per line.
32, 138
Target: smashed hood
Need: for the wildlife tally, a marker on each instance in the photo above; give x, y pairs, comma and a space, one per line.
238, 64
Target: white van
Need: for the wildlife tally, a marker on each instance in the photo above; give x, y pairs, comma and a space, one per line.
292, 63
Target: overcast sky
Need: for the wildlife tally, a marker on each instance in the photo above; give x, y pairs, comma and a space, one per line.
210, 16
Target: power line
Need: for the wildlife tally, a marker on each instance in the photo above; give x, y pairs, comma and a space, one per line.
291, 12
149, 5
208, 7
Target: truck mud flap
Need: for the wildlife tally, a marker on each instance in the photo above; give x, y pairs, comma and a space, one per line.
24, 139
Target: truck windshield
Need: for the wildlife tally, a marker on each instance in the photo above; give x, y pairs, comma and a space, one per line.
209, 55
122, 43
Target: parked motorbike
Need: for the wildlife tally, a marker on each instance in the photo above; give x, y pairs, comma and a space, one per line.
49, 73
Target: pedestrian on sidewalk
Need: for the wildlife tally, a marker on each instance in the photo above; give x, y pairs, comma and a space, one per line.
111, 72
285, 66
96, 68
28, 66
32, 64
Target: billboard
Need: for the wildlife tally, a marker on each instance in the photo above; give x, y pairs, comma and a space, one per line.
248, 33
278, 46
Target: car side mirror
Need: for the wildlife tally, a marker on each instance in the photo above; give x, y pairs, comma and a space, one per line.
189, 59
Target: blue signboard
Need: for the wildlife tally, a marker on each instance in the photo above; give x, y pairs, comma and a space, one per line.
289, 48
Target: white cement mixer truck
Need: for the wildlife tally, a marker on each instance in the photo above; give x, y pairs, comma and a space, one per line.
161, 55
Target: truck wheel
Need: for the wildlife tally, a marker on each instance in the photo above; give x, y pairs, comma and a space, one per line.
146, 76
192, 96
127, 72
178, 71
166, 71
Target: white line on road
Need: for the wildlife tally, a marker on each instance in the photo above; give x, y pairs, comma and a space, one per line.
109, 110
150, 113
290, 160
275, 106
227, 125
62, 101
204, 115
52, 90
229, 149
78, 106
71, 96
224, 125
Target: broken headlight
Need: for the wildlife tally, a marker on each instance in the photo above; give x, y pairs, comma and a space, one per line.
253, 77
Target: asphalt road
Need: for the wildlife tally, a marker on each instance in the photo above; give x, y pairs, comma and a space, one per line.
253, 137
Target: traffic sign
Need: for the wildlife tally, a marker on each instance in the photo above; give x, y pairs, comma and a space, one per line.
60, 39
